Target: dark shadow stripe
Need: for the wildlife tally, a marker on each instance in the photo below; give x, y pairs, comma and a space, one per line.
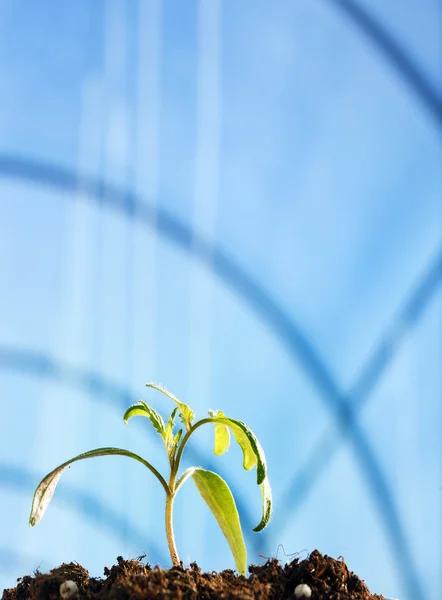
255, 296
304, 481
315, 465
394, 54
407, 318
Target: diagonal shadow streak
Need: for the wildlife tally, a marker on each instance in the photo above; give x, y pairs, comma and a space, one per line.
93, 510
303, 482
102, 390
289, 333
395, 54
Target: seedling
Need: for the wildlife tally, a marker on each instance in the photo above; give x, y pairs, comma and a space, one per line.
211, 486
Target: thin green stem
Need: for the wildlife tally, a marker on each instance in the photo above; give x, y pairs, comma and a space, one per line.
172, 488
181, 449
157, 474
169, 530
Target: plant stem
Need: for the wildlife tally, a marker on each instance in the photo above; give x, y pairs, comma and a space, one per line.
169, 530
171, 490
182, 445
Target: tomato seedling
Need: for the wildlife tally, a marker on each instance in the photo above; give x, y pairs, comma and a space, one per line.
211, 486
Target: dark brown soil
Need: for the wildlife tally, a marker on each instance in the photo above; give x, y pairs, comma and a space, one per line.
132, 579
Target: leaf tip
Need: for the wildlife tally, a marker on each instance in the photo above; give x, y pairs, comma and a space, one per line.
36, 515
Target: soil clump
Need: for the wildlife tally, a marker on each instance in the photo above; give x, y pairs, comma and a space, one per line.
327, 578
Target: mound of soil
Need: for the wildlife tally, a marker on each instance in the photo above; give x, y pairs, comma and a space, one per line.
326, 577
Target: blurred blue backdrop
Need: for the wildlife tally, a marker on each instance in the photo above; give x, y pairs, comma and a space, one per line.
242, 202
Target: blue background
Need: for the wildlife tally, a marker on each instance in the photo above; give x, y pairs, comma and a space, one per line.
241, 201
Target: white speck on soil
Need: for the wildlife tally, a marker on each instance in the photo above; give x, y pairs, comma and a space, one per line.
303, 591
68, 589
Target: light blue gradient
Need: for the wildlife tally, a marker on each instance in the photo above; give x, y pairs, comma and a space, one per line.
243, 203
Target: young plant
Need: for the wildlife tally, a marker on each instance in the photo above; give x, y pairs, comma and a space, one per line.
211, 486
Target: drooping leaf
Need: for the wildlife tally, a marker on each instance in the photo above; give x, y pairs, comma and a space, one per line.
143, 410
266, 493
46, 487
252, 452
222, 435
219, 499
187, 415
253, 455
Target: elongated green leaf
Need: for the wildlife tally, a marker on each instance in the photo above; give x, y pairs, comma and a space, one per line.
266, 493
168, 432
222, 439
171, 421
143, 410
187, 473
222, 435
176, 439
46, 487
219, 499
253, 455
252, 452
243, 439
187, 415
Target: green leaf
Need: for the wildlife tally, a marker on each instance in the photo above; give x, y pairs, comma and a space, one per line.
143, 410
187, 415
176, 438
171, 421
253, 455
46, 487
172, 440
266, 493
222, 435
219, 499
252, 452
168, 432
187, 473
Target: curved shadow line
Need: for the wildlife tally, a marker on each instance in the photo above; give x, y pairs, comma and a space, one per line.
92, 509
303, 482
100, 389
305, 479
290, 335
396, 55
408, 316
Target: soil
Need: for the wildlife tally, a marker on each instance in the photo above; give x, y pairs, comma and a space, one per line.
327, 578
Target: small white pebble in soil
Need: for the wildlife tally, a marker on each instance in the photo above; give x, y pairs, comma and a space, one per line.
68, 589
303, 591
